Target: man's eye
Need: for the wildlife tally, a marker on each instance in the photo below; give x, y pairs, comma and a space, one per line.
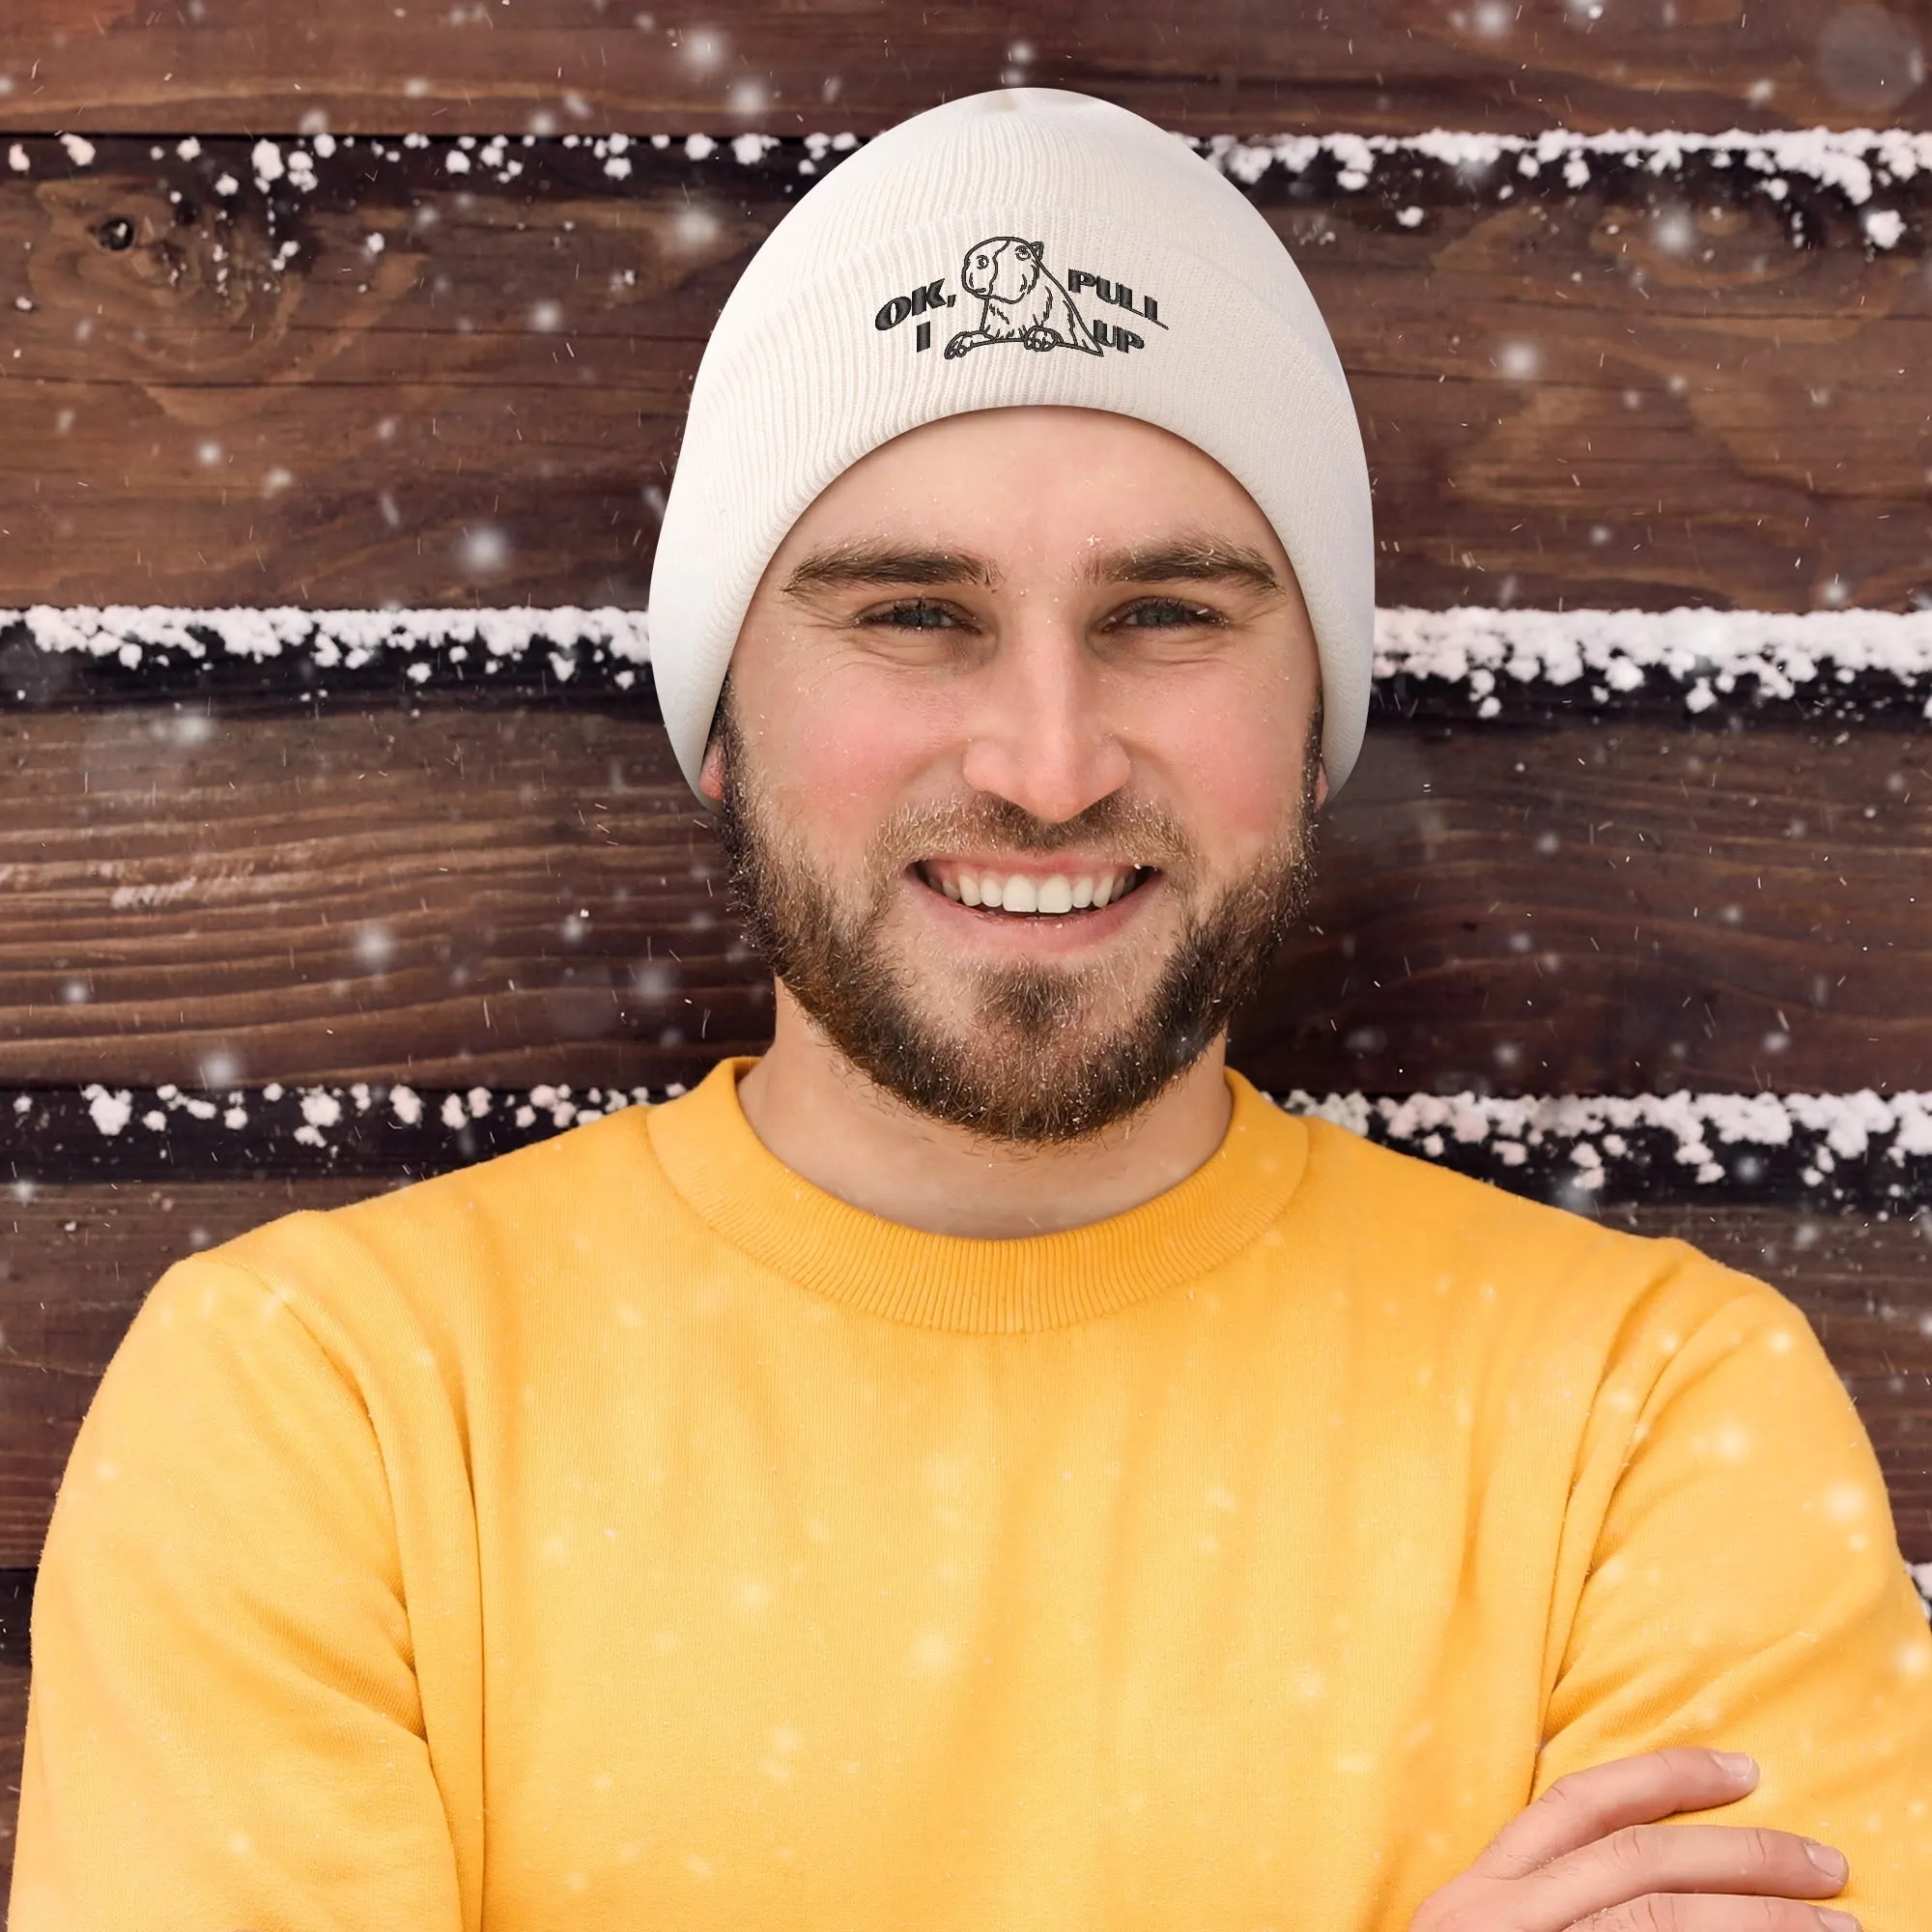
912, 615
1164, 613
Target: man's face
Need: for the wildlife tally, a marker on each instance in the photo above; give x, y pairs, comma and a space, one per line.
1016, 764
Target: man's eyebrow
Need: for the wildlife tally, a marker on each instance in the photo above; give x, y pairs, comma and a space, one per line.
1189, 560
887, 564
1186, 559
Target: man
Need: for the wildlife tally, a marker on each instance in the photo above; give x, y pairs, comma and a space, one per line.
981, 1465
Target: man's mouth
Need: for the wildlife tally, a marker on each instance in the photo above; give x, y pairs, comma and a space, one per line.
1049, 894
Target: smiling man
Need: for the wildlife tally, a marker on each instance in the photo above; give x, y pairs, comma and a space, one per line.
1017, 796
979, 1464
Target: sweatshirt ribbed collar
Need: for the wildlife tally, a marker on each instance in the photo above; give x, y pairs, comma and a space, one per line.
748, 1196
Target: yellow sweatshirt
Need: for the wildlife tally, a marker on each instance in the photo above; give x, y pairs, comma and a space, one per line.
623, 1534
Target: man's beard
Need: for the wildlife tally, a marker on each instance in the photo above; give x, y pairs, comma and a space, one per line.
1003, 1081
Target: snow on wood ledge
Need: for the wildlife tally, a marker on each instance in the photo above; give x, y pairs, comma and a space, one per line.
1813, 659
48, 650
1829, 1152
1465, 663
1858, 168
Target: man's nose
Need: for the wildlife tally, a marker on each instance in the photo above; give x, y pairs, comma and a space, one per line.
1039, 736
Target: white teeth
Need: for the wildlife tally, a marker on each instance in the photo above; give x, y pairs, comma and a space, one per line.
1017, 893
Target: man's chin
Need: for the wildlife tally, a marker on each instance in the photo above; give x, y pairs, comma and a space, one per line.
1063, 1015
1030, 1101
1027, 1058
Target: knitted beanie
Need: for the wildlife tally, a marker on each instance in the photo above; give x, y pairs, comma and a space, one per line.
1022, 246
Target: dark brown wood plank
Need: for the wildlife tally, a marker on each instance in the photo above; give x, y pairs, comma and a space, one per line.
12, 1738
499, 896
76, 1260
461, 895
261, 65
1605, 908
1638, 394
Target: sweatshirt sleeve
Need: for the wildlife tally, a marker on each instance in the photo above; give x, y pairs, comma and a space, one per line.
224, 1727
1744, 1588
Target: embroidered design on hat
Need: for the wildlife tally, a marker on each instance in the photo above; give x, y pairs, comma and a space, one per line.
1021, 299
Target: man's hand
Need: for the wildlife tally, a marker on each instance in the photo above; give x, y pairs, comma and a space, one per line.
1590, 1855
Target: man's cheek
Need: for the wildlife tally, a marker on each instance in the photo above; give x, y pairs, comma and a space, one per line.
848, 779
1259, 785
830, 806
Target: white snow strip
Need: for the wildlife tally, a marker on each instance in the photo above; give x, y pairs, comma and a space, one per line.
330, 637
1852, 162
1707, 652
307, 1113
1849, 1125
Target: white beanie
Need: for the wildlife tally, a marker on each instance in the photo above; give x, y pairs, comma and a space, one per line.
1022, 246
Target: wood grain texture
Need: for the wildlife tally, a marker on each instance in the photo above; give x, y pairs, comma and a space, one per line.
76, 1262
1638, 394
1607, 908
502, 896
12, 1737
262, 65
460, 895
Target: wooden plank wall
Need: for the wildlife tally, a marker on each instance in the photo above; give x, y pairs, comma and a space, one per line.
365, 309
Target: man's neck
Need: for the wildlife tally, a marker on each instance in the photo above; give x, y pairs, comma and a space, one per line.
834, 1128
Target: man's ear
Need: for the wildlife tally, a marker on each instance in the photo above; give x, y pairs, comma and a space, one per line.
711, 772
1320, 784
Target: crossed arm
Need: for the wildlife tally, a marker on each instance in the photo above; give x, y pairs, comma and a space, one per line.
1593, 1855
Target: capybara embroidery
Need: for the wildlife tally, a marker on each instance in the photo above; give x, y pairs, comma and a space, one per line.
1020, 299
